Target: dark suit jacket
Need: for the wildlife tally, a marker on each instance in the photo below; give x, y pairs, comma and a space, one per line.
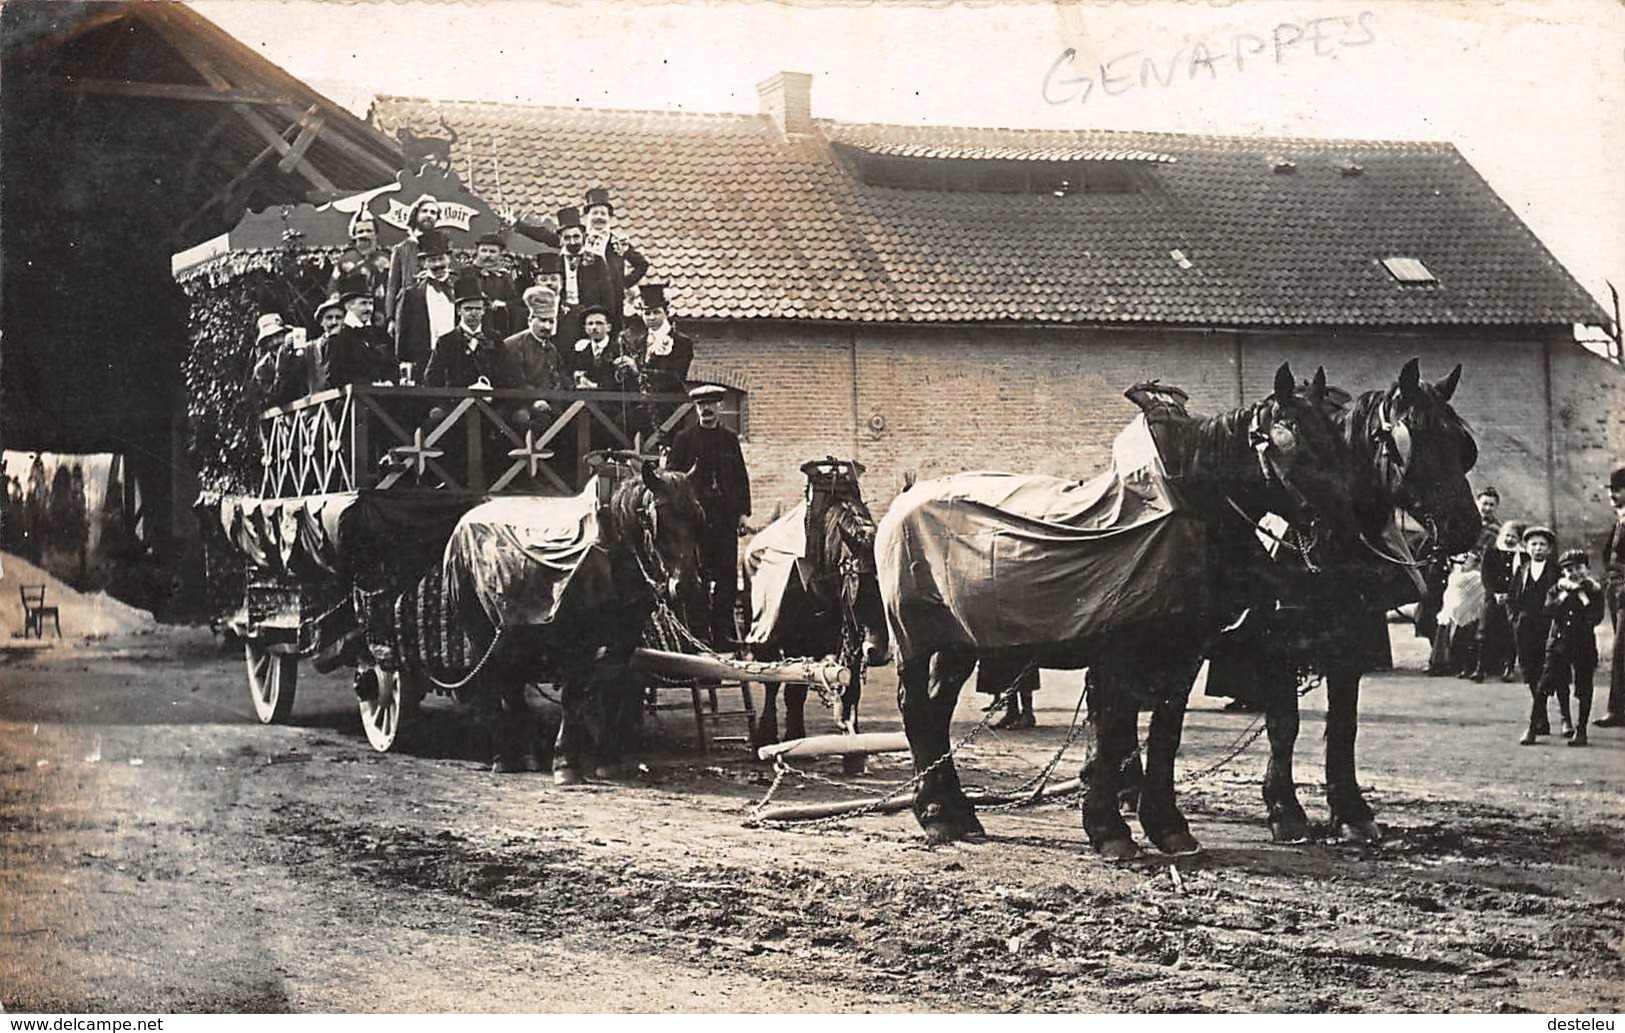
453, 365
602, 369
1528, 597
719, 476
660, 374
355, 355
412, 333
504, 314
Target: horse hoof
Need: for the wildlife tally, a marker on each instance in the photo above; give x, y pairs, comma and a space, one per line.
566, 777
609, 772
1178, 844
938, 833
1290, 831
506, 766
1364, 832
1118, 851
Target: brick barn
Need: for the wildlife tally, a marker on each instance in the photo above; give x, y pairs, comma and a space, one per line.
932, 299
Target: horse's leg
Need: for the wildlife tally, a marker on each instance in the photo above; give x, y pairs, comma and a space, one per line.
852, 763
572, 717
615, 692
1160, 816
795, 718
1352, 817
927, 690
521, 723
1288, 822
767, 722
1112, 734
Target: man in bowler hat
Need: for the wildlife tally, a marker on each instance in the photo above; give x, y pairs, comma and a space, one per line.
710, 454
357, 352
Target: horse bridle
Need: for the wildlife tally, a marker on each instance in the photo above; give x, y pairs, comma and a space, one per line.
1393, 453
1262, 437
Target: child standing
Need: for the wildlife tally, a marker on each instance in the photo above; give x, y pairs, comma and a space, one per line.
1530, 626
1575, 605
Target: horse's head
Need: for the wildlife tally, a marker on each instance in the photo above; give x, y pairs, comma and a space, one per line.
1420, 452
659, 513
842, 531
1301, 452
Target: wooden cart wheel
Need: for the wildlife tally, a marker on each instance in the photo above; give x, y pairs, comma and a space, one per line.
272, 678
399, 695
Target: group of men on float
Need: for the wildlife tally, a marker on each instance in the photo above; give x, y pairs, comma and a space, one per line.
590, 322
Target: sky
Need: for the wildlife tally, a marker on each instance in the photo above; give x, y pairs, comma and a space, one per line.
1531, 91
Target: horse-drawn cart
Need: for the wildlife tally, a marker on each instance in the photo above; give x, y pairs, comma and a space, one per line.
408, 532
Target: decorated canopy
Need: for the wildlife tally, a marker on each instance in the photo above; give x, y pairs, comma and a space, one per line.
326, 227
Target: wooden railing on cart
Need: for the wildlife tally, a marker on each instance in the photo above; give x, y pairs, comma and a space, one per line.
382, 437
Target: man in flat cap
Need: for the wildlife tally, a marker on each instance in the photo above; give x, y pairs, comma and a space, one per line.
710, 454
358, 351
1613, 569
1575, 607
426, 309
1530, 624
502, 313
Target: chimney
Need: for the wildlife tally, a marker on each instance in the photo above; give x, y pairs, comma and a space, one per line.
787, 99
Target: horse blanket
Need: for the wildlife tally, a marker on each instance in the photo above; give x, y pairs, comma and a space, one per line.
772, 560
524, 558
991, 561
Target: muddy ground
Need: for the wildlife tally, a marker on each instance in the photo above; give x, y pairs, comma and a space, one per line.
160, 851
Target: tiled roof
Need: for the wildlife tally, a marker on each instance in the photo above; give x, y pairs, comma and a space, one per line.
746, 223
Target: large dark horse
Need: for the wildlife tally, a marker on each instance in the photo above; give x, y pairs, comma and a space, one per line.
1411, 455
828, 603
645, 555
1152, 626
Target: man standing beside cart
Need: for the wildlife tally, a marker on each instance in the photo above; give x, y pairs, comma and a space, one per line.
711, 455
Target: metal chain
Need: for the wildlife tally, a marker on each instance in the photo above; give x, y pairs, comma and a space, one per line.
1249, 735
781, 768
489, 653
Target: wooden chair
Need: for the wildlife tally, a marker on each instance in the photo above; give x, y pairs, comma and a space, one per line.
35, 611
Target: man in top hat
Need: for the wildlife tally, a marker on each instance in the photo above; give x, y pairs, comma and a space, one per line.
466, 354
1613, 567
529, 359
627, 265
502, 314
710, 454
1530, 624
358, 351
1575, 606
421, 218
585, 276
278, 372
426, 310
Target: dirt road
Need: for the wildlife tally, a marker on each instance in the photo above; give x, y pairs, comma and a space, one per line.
163, 852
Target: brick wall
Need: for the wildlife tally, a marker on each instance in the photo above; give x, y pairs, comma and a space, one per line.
939, 400
1588, 422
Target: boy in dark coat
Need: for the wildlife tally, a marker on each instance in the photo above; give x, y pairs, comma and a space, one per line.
1530, 625
1575, 606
